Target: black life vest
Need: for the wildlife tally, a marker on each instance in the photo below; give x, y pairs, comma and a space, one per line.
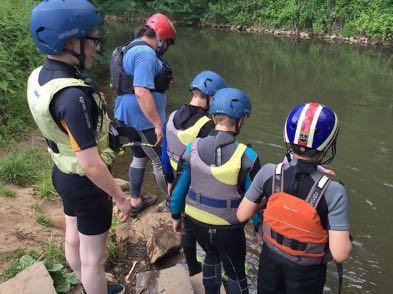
123, 82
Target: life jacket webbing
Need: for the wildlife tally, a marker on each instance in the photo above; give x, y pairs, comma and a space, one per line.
278, 179
317, 191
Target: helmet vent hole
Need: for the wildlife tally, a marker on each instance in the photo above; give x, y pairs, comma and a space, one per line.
293, 126
317, 132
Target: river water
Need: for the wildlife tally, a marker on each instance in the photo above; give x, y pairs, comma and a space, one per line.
279, 74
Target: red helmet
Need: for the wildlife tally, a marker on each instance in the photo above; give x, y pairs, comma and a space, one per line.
164, 28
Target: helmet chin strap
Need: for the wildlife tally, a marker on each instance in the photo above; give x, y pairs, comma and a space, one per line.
330, 159
79, 56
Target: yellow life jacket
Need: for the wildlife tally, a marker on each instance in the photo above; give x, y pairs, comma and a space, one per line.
39, 98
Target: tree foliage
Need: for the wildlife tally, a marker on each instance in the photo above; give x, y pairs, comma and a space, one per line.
370, 18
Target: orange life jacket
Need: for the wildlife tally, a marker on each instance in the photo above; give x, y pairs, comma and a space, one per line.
291, 226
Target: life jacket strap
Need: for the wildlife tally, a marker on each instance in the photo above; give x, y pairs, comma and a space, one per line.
317, 191
52, 146
278, 179
228, 204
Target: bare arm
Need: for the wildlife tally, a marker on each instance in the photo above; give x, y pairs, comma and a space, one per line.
246, 210
146, 102
96, 170
340, 245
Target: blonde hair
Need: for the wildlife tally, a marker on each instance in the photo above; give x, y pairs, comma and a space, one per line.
198, 93
225, 120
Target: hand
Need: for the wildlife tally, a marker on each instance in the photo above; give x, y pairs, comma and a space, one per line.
330, 172
170, 188
159, 135
103, 98
178, 225
124, 205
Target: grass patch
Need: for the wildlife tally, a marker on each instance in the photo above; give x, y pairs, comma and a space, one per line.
44, 221
37, 208
7, 192
113, 251
54, 253
24, 167
44, 189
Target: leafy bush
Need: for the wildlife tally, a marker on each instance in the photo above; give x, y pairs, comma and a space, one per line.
54, 260
18, 56
350, 17
24, 167
21, 261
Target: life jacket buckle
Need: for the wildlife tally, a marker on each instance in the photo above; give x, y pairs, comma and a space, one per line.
229, 204
198, 197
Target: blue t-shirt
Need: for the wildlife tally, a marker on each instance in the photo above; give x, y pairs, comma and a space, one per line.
142, 62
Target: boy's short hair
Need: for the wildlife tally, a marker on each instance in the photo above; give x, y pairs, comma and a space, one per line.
314, 155
225, 120
198, 93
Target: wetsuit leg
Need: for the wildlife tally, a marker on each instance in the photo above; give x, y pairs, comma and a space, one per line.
189, 248
136, 171
212, 262
270, 274
304, 279
233, 256
154, 153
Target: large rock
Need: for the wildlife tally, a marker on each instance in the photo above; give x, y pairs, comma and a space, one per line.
197, 284
33, 280
173, 280
124, 185
160, 238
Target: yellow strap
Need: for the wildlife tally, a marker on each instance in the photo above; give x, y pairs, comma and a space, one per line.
204, 217
228, 172
188, 135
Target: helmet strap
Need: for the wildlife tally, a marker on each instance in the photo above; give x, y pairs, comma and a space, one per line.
333, 148
79, 56
237, 130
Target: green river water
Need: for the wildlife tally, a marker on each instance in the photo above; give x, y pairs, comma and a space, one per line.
279, 74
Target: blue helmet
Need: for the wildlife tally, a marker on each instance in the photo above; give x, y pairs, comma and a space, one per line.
53, 22
232, 102
208, 82
311, 126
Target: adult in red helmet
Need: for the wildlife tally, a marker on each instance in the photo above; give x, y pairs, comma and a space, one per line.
71, 116
141, 77
165, 31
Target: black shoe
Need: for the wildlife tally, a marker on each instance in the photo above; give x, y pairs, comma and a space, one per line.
146, 202
195, 271
114, 288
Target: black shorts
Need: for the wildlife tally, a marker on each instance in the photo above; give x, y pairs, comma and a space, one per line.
83, 199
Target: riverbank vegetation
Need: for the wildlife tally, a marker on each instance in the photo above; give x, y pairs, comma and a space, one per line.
351, 18
18, 56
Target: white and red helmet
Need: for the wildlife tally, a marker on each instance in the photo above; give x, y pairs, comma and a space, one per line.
311, 126
163, 27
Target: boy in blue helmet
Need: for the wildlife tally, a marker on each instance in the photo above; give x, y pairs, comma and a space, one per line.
72, 118
184, 125
216, 172
305, 222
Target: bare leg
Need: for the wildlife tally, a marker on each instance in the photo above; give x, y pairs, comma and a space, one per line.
72, 246
93, 256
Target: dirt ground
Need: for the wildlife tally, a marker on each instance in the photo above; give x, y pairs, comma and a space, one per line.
18, 226
20, 231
